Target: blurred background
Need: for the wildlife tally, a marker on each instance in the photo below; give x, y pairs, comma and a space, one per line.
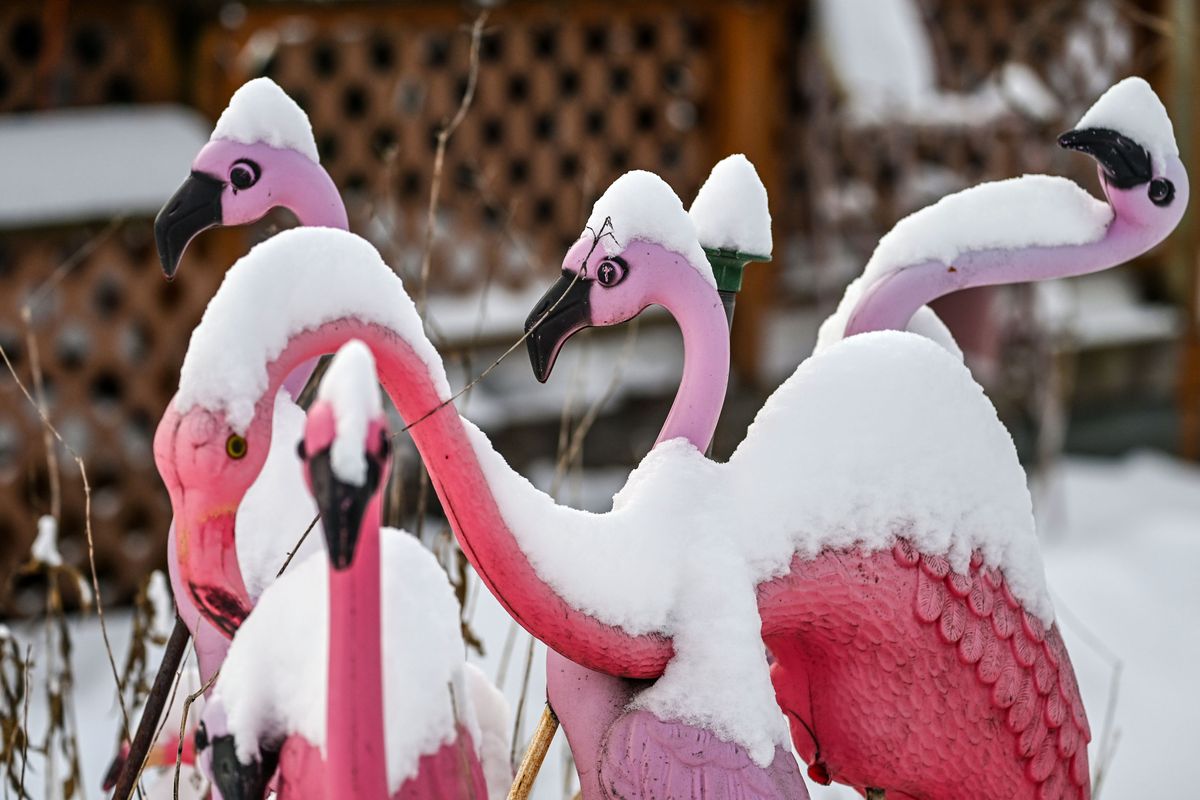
855, 113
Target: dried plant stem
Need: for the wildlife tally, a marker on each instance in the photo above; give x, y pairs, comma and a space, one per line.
299, 543
516, 735
439, 158
531, 764
131, 771
87, 523
187, 707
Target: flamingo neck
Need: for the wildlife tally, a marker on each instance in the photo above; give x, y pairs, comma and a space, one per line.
890, 302
470, 504
698, 311
312, 196
354, 732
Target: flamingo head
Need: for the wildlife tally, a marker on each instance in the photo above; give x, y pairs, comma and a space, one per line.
261, 155
1128, 133
346, 449
639, 249
208, 465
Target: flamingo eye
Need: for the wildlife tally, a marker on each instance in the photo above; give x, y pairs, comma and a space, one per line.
1162, 192
610, 272
235, 447
244, 173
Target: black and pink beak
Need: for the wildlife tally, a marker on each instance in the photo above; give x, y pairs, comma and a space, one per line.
1126, 163
342, 504
562, 312
195, 207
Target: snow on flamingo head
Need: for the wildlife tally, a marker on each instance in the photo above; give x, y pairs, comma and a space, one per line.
639, 248
214, 438
1128, 133
261, 155
346, 450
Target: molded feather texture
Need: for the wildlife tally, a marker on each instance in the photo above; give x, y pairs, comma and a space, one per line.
1024, 663
648, 758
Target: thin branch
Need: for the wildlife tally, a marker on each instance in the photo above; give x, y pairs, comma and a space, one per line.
439, 157
87, 521
187, 707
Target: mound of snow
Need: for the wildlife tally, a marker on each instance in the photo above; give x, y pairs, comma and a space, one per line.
260, 111
730, 210
1132, 108
351, 388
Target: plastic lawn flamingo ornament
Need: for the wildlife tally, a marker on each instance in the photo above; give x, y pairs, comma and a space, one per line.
1024, 696
590, 704
261, 155
399, 712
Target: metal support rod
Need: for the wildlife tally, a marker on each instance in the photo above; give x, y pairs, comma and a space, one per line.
160, 691
531, 763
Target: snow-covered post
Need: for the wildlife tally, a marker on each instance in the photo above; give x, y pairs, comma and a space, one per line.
733, 224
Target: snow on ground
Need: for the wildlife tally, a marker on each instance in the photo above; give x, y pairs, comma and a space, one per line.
1121, 544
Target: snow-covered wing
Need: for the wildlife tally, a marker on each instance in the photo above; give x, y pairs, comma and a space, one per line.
274, 680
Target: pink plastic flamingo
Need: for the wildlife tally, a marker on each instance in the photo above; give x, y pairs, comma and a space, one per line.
593, 706
393, 646
1024, 694
261, 155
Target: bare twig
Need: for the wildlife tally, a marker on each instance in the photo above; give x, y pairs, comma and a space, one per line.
531, 764
512, 756
299, 543
25, 721
87, 521
439, 157
187, 707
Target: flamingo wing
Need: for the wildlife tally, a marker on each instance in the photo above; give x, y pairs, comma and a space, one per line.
646, 758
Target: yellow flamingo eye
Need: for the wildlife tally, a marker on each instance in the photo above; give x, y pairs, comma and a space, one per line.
235, 446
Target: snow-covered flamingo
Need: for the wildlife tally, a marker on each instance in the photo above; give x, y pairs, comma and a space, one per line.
731, 215
261, 155
1086, 238
350, 672
857, 572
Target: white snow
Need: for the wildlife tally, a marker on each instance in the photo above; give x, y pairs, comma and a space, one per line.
925, 322
350, 387
495, 731
730, 210
314, 276
278, 507
274, 681
1132, 108
158, 592
640, 205
260, 111
81, 164
45, 545
819, 467
883, 58
1033, 210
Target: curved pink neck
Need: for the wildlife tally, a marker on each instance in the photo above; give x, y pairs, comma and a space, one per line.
470, 505
698, 311
890, 302
354, 731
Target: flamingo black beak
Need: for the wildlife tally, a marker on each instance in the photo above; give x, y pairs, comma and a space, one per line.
562, 312
195, 207
1126, 163
342, 504
238, 781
